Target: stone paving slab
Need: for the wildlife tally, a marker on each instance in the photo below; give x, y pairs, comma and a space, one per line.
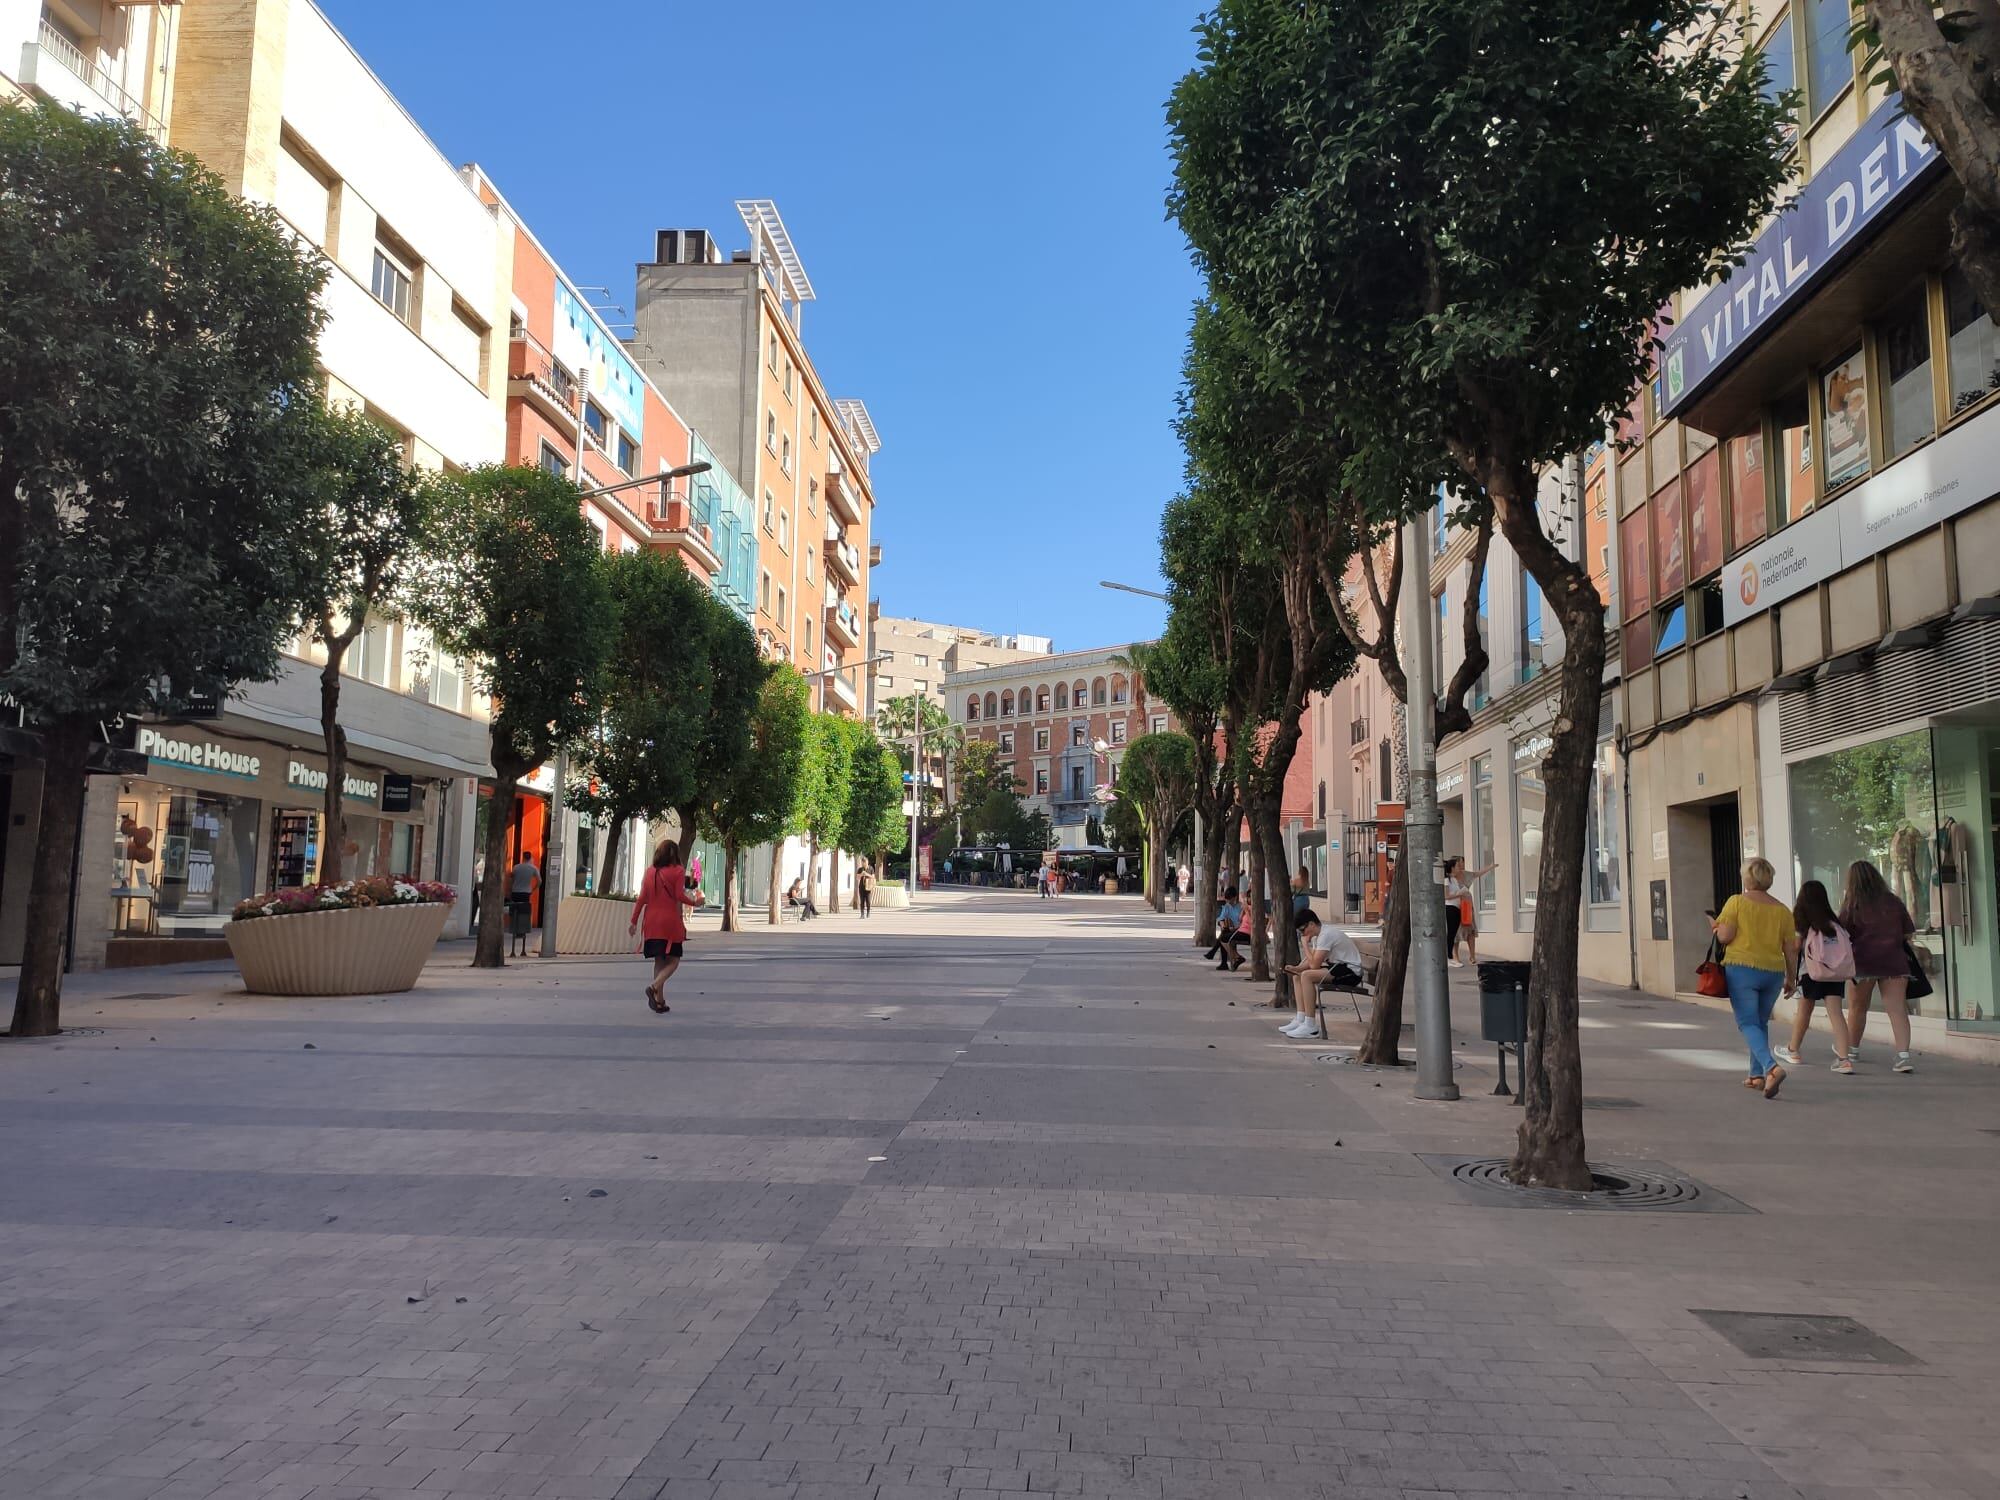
1110, 1249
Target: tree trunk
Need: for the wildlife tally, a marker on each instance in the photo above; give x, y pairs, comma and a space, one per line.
490, 944
1214, 834
1382, 1044
333, 847
777, 851
1260, 962
833, 880
38, 994
1284, 934
1550, 1152
1945, 86
731, 919
614, 845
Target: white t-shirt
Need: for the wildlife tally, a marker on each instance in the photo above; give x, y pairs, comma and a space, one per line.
1331, 946
1454, 889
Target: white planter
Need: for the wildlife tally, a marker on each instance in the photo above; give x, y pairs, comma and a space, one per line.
892, 895
592, 924
365, 950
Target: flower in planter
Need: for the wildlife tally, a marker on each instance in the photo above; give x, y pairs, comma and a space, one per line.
347, 895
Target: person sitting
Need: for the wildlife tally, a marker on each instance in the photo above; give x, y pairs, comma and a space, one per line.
798, 895
1327, 956
1227, 919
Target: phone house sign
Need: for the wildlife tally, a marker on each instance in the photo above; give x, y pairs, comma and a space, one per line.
1887, 157
198, 754
354, 788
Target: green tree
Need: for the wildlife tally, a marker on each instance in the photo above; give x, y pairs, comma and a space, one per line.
1453, 223
824, 784
361, 539
752, 803
1184, 672
1158, 778
727, 649
517, 590
873, 819
158, 380
944, 743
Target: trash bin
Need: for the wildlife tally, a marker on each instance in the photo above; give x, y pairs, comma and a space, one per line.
1503, 1000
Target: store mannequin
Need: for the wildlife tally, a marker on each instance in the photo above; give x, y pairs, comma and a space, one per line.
1908, 849
1954, 870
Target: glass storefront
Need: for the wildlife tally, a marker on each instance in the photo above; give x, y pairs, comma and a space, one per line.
182, 859
1606, 875
1485, 888
1530, 804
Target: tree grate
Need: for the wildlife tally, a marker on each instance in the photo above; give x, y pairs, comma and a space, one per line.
1630, 1187
1349, 1055
66, 1034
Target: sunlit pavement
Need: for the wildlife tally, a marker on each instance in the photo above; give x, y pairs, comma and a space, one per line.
994, 1195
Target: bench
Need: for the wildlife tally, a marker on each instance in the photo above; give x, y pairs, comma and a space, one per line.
1371, 965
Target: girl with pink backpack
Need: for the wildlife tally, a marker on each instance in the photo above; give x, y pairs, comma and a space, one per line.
1826, 963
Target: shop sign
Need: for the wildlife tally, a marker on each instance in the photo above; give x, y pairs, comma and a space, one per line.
303, 777
1451, 783
396, 793
205, 755
1915, 493
1886, 158
1536, 747
1803, 554
1657, 908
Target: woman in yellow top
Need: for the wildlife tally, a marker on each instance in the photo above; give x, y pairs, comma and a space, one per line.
1760, 956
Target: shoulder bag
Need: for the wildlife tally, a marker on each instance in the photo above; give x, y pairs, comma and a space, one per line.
1709, 979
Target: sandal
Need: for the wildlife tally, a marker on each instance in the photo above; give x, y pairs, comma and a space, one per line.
656, 1001
1754, 1081
1773, 1081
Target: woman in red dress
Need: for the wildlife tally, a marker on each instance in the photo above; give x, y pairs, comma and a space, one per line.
662, 894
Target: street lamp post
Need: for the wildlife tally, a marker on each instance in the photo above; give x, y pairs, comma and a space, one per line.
555, 858
1423, 830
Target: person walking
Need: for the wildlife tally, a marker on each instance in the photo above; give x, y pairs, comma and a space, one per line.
1880, 927
663, 891
1760, 956
1826, 963
1174, 887
1459, 884
864, 890
521, 883
1042, 882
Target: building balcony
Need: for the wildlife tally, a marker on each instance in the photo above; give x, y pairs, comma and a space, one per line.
541, 379
53, 67
843, 623
681, 528
841, 498
842, 690
843, 558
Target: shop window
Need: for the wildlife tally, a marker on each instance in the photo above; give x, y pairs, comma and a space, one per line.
1974, 344
1669, 561
1878, 802
186, 858
1670, 628
1480, 825
1829, 63
1911, 414
1793, 455
1635, 574
1702, 497
1606, 828
1530, 805
1844, 389
1749, 501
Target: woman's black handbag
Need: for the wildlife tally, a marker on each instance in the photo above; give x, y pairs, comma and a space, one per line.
1920, 982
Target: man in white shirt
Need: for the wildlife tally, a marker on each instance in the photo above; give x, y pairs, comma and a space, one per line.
1324, 950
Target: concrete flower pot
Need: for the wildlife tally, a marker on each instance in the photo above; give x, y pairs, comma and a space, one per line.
593, 924
363, 950
891, 895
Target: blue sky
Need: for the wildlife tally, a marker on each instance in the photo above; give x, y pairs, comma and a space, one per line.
977, 192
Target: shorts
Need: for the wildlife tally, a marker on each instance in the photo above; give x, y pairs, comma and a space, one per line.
1822, 989
661, 948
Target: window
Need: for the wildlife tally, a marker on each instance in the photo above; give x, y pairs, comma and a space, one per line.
885, 682
921, 684
1748, 502
1781, 68
628, 453
1911, 415
1829, 65
1159, 724
785, 454
1483, 690
774, 353
1844, 389
809, 635
1041, 781
771, 431
1441, 522
1007, 705
1118, 689
764, 594
770, 511
1438, 625
593, 422
1794, 456
1705, 607
390, 282
1062, 697
1076, 783
784, 531
1097, 693
1076, 732
1041, 739
788, 380
1702, 493
1669, 562
922, 660
552, 460
447, 680
812, 424
1597, 535
781, 604
1972, 344
1604, 876
1670, 628
812, 497
1479, 825
991, 709
1117, 731
368, 658
1530, 803
1006, 742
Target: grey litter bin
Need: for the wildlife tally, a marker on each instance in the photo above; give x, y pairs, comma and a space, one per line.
1503, 1010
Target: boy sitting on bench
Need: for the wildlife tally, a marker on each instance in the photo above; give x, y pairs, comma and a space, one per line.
1327, 956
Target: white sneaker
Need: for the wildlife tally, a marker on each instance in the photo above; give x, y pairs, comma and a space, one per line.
1904, 1063
1294, 1026
1312, 1033
1786, 1055
1454, 963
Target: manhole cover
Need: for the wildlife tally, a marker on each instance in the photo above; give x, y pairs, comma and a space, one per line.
1591, 1102
1805, 1336
1641, 1187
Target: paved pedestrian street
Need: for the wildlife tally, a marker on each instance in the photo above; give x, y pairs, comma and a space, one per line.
990, 1197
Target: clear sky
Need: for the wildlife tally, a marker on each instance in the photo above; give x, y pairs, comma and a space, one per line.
976, 190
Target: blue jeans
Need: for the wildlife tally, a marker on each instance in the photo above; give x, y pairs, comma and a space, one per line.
1753, 995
